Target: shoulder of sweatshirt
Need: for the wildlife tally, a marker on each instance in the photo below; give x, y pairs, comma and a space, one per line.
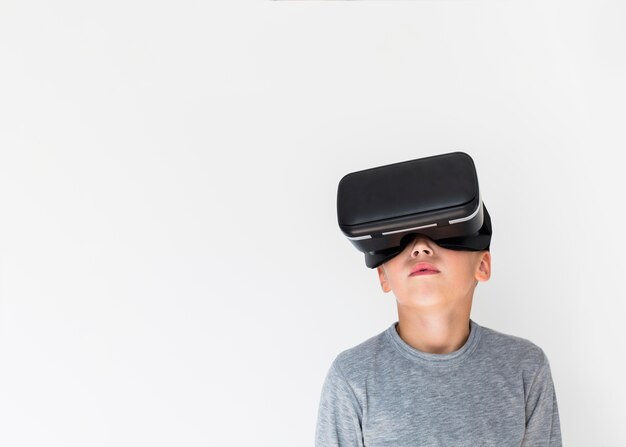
513, 352
357, 360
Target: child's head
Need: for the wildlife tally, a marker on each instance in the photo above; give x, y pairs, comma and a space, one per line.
424, 274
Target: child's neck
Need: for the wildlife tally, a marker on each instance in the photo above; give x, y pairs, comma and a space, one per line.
433, 333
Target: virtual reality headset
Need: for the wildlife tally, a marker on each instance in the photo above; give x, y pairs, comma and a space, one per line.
380, 210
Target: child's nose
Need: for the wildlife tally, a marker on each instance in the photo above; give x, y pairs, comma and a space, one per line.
421, 245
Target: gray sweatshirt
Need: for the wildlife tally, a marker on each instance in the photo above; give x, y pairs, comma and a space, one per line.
496, 390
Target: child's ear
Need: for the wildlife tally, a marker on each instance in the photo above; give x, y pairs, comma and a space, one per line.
483, 272
382, 277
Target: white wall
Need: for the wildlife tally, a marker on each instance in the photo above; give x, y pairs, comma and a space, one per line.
171, 269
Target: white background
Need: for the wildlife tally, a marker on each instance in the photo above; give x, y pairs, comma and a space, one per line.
171, 268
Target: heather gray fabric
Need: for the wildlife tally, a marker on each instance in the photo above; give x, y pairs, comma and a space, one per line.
496, 390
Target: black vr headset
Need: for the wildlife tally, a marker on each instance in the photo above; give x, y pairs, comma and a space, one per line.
380, 210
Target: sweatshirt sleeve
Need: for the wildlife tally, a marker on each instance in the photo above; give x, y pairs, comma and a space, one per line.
339, 414
542, 413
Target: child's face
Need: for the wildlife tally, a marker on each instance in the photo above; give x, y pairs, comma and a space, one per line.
451, 282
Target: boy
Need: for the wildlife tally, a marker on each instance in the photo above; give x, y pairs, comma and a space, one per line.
435, 377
